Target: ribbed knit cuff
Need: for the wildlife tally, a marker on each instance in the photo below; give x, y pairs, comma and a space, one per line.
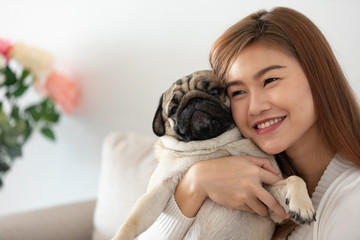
172, 223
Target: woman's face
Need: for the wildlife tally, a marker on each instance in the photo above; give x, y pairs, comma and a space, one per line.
271, 100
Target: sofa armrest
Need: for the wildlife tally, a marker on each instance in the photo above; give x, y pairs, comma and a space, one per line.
73, 221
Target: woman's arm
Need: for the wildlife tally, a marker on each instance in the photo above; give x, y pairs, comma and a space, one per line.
235, 182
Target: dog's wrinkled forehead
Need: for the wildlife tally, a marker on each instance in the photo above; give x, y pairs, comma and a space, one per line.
201, 80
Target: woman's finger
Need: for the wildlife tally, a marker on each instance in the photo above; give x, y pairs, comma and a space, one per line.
264, 163
269, 200
268, 178
258, 207
246, 208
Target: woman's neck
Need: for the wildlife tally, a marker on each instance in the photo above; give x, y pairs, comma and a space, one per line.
310, 159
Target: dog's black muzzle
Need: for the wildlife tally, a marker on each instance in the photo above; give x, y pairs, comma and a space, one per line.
201, 119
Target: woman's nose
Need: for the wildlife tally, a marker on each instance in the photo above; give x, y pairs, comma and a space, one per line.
258, 103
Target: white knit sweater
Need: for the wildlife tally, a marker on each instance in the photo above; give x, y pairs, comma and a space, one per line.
336, 200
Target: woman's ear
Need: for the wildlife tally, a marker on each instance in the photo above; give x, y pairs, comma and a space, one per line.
158, 122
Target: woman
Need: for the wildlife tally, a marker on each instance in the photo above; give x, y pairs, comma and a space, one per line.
289, 95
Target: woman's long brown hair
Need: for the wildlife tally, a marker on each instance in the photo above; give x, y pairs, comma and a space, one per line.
335, 103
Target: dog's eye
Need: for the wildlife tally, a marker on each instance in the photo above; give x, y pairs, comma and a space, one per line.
215, 91
172, 111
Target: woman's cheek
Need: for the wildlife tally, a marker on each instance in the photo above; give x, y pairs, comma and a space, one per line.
239, 116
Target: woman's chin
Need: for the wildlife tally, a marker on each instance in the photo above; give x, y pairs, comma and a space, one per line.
269, 149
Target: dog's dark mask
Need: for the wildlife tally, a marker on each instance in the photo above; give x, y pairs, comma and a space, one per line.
198, 113
201, 118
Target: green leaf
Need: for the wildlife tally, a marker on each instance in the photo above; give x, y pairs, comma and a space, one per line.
14, 151
24, 75
9, 138
4, 122
48, 105
48, 133
20, 127
15, 112
51, 117
20, 91
34, 111
10, 77
8, 95
4, 166
28, 130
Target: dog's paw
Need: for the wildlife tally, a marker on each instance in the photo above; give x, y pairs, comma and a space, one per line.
301, 213
300, 206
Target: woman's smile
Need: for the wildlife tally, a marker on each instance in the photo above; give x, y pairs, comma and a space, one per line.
269, 125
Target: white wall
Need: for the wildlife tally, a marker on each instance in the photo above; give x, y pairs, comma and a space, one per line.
129, 51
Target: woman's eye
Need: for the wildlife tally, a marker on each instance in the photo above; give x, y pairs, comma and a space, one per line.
270, 80
236, 93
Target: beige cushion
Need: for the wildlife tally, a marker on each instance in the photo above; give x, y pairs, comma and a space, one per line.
127, 164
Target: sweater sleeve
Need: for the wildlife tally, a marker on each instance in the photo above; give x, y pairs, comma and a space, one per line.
171, 224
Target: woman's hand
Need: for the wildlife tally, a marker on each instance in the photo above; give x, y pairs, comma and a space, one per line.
235, 182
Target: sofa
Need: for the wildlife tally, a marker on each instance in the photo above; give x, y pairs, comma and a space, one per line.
127, 162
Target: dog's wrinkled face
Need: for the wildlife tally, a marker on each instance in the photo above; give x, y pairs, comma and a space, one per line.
194, 108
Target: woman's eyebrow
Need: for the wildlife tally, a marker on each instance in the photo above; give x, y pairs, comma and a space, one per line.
265, 70
257, 75
233, 83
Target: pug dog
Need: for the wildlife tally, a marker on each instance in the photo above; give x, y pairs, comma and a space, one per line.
194, 123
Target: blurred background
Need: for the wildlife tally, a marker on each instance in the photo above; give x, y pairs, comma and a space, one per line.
125, 53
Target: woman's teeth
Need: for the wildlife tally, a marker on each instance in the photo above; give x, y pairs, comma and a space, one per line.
269, 123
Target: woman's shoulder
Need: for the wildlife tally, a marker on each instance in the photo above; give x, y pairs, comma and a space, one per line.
344, 177
338, 173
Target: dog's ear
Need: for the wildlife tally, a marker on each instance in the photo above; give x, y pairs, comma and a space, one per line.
158, 122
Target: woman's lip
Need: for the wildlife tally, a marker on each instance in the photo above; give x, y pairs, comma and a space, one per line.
268, 125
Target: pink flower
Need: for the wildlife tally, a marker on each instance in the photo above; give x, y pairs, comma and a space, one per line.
5, 47
62, 90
